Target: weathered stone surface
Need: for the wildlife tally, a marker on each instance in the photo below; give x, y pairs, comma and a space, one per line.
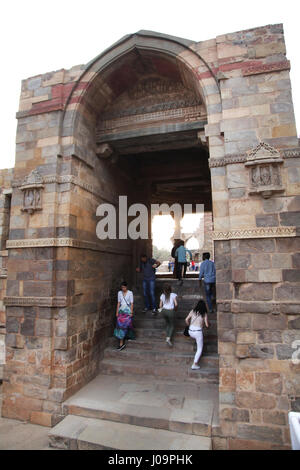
255, 400
263, 433
268, 382
250, 291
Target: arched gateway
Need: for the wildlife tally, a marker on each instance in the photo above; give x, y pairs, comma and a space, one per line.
157, 119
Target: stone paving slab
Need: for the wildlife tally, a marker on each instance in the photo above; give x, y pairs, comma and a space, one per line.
76, 432
182, 407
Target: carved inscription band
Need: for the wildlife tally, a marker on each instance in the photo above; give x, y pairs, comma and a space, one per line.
35, 301
64, 242
242, 158
262, 232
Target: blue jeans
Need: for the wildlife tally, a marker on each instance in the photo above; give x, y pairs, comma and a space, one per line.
208, 286
149, 293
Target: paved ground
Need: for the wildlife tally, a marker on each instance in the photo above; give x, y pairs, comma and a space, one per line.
16, 435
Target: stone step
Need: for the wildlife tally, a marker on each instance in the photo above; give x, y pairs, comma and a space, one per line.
182, 344
79, 433
159, 333
161, 324
134, 399
173, 358
168, 372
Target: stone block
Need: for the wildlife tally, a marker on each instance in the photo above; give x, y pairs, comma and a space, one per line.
275, 417
288, 245
290, 218
267, 220
241, 261
267, 382
287, 292
41, 417
254, 400
260, 433
284, 351
27, 327
246, 337
250, 291
260, 245
270, 336
282, 261
245, 381
43, 327
261, 261
270, 275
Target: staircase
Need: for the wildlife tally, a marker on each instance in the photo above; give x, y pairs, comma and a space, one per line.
147, 396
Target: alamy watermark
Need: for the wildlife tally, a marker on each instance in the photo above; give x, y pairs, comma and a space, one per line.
115, 222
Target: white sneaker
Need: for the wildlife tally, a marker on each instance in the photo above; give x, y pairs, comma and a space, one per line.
195, 367
168, 341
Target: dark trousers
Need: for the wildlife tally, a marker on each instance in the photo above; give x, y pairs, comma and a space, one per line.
181, 266
149, 293
209, 286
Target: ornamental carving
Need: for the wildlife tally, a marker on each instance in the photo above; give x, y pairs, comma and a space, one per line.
151, 100
32, 187
264, 163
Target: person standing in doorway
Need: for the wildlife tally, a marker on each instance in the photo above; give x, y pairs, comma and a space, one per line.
196, 320
175, 246
148, 267
208, 273
124, 314
168, 305
182, 261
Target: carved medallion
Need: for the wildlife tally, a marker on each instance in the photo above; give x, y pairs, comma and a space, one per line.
32, 187
264, 163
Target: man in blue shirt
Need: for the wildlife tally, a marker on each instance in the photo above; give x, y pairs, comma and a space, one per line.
208, 273
180, 254
148, 267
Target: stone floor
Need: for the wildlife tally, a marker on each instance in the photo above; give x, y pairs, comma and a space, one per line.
141, 411
18, 435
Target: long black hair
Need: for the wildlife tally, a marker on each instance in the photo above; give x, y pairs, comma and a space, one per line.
167, 292
200, 308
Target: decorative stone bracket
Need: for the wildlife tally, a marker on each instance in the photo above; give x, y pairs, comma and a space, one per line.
264, 163
32, 187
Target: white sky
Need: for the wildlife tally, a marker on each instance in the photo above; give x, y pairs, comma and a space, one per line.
38, 37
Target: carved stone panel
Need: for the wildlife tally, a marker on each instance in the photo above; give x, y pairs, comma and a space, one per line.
32, 187
264, 163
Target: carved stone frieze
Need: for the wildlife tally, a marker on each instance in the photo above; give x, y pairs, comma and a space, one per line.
260, 232
150, 100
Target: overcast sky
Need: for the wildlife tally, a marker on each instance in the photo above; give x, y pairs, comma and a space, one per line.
38, 37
